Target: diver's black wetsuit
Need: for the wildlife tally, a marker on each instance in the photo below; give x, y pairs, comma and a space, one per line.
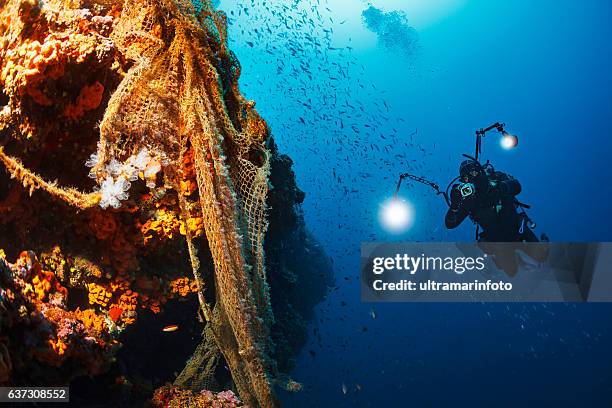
493, 206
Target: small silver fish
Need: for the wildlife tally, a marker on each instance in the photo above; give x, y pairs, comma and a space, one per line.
373, 313
344, 389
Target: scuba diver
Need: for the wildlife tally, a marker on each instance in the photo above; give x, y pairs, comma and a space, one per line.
488, 197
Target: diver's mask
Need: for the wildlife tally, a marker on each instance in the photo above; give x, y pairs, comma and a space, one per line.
469, 169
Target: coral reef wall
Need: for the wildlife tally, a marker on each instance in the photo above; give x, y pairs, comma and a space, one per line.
299, 271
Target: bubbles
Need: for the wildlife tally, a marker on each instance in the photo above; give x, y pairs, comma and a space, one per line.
396, 215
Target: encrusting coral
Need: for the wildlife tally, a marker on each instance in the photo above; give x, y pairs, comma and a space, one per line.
34, 302
169, 397
89, 98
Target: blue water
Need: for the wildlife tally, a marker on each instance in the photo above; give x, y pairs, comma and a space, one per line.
354, 110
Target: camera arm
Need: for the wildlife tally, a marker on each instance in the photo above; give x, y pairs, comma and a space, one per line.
480, 133
422, 181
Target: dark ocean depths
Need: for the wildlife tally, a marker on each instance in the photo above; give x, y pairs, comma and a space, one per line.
358, 92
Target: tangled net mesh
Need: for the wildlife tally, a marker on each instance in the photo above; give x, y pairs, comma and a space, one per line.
181, 94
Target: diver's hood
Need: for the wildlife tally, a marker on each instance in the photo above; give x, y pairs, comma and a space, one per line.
468, 166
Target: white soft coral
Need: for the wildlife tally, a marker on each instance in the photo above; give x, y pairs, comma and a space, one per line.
117, 175
113, 192
136, 163
140, 160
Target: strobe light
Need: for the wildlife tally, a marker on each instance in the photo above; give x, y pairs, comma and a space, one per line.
396, 215
508, 141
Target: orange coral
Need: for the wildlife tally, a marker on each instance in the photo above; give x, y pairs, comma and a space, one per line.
115, 313
28, 64
119, 285
164, 224
31, 63
98, 294
34, 58
188, 184
89, 98
128, 300
58, 346
91, 320
183, 286
41, 282
152, 303
195, 225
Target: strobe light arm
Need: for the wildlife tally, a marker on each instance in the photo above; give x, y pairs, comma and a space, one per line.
422, 181
480, 133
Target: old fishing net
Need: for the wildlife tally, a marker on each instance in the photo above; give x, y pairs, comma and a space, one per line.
183, 93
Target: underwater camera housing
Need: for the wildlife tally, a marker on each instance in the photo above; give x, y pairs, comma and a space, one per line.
467, 189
